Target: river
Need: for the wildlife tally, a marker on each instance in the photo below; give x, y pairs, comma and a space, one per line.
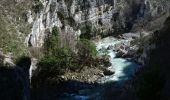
123, 68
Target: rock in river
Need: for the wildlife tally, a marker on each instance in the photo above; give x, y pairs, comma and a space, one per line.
108, 72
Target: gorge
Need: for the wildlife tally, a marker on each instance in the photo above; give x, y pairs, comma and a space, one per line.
84, 49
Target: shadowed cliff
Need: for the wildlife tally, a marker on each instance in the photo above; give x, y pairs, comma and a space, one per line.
14, 81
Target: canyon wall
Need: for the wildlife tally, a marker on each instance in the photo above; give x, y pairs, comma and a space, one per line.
97, 17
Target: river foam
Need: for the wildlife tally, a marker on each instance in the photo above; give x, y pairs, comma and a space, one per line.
123, 68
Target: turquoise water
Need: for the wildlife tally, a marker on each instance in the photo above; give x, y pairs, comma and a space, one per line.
123, 68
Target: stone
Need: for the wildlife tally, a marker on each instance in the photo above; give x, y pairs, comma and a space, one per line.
8, 60
119, 54
110, 47
102, 16
108, 72
101, 74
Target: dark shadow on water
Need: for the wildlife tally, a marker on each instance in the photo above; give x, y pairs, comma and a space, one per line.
14, 85
76, 90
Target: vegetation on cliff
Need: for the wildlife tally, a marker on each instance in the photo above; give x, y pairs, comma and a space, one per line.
59, 59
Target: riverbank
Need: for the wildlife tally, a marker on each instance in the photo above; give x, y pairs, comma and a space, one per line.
114, 75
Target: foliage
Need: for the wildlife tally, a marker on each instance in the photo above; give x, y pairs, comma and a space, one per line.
15, 27
55, 31
38, 6
10, 40
59, 59
63, 58
86, 48
86, 32
52, 41
56, 59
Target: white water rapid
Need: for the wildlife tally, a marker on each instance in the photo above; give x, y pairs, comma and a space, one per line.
123, 68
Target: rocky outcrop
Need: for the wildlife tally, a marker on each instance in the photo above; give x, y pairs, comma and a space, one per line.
97, 17
108, 72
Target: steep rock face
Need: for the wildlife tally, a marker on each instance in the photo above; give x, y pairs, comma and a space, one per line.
97, 17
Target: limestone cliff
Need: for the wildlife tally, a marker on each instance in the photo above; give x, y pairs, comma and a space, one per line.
104, 17
98, 17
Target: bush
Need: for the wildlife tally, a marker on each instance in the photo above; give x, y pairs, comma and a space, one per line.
86, 32
62, 58
52, 41
86, 48
38, 6
53, 66
57, 60
62, 55
55, 31
10, 40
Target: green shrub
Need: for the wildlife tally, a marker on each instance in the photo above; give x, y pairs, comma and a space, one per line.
57, 60
65, 58
38, 6
62, 58
10, 40
86, 48
52, 41
55, 31
55, 55
53, 66
86, 32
